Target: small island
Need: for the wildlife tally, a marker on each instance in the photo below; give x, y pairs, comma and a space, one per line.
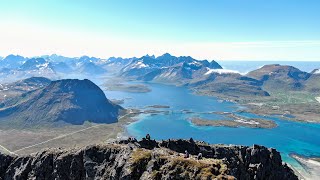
158, 106
236, 121
135, 88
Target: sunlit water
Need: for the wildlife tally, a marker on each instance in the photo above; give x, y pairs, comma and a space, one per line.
289, 137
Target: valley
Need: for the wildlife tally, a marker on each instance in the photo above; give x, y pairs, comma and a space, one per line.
166, 96
27, 141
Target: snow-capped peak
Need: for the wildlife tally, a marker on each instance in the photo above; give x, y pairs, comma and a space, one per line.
140, 64
195, 63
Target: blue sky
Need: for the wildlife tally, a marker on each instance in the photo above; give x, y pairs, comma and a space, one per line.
208, 29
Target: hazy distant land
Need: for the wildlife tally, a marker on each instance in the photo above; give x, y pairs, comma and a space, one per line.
135, 88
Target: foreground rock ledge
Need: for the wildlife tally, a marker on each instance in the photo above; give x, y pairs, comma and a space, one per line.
148, 159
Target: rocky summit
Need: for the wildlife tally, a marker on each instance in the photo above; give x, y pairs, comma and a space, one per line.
68, 101
149, 159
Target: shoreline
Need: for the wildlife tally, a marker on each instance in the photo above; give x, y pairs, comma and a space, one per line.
249, 106
260, 107
236, 122
311, 167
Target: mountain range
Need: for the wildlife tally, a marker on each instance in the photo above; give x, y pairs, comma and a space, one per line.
203, 76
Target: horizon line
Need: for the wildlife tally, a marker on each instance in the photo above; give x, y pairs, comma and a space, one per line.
149, 54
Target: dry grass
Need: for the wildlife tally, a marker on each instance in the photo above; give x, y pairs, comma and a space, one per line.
140, 155
16, 139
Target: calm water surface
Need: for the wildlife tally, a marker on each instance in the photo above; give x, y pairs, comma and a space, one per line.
289, 137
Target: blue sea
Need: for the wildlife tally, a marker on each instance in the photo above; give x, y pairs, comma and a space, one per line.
288, 137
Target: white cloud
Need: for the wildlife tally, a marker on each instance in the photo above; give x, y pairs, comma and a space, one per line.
221, 71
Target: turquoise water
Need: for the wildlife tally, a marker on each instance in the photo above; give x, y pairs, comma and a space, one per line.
289, 137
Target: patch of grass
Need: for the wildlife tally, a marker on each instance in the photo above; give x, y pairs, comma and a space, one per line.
140, 155
205, 168
292, 97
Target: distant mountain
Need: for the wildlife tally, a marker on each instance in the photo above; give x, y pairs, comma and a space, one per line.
37, 67
36, 64
12, 61
279, 77
9, 90
312, 84
59, 58
36, 82
4, 71
62, 102
61, 67
90, 68
115, 64
181, 73
167, 68
88, 59
228, 84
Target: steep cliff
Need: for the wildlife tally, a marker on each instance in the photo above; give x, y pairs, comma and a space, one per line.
148, 159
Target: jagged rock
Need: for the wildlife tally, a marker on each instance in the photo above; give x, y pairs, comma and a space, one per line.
127, 159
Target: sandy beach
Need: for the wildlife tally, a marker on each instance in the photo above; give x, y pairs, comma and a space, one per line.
311, 168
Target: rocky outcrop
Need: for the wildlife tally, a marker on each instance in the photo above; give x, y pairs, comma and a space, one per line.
148, 159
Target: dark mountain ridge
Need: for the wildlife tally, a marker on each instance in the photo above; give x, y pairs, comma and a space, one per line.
69, 101
149, 159
229, 84
282, 77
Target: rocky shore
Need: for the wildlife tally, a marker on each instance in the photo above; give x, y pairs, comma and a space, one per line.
149, 159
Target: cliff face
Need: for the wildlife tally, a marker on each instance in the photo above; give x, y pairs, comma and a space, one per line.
149, 160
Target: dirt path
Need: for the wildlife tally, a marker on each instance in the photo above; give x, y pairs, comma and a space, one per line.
58, 137
7, 150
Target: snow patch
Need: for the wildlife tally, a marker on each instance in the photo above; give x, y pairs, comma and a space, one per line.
220, 71
195, 63
140, 64
318, 99
316, 71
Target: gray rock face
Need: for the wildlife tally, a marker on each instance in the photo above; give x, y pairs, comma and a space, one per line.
148, 159
65, 101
